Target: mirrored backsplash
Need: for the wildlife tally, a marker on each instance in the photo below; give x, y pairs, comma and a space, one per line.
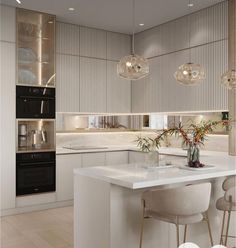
95, 123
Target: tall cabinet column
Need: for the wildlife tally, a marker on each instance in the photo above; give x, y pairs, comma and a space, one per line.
232, 65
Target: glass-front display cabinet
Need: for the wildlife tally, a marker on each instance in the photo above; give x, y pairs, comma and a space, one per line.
35, 48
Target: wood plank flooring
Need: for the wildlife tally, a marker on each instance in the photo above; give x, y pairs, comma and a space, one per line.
44, 229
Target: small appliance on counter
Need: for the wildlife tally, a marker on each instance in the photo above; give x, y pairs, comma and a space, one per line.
38, 138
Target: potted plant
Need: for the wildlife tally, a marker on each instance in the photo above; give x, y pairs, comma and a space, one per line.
193, 137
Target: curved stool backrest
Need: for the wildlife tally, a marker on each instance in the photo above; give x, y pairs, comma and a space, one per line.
230, 195
181, 201
229, 182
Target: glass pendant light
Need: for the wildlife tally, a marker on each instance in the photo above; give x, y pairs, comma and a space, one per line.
228, 79
133, 67
190, 73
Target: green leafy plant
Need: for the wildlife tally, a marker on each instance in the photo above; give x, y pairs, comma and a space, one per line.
193, 135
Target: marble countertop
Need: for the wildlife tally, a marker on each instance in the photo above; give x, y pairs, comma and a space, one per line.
138, 176
163, 150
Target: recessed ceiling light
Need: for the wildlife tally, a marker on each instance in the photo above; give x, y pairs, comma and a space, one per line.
18, 1
190, 4
71, 9
141, 24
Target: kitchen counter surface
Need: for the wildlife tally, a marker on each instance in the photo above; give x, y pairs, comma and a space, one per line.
163, 151
138, 176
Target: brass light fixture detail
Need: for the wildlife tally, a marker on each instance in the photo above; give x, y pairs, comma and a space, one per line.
133, 67
190, 73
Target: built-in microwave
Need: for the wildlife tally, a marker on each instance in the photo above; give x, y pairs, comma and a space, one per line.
35, 102
35, 173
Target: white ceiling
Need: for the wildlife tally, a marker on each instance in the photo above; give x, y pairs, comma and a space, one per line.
114, 15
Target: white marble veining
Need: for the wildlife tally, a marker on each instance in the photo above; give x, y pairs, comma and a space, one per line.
135, 176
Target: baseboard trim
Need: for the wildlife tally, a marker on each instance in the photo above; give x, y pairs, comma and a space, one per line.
40, 207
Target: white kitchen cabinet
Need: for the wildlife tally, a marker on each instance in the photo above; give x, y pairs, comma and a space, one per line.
116, 158
92, 42
136, 157
92, 85
7, 125
7, 23
67, 38
64, 175
68, 88
118, 91
118, 45
160, 92
93, 159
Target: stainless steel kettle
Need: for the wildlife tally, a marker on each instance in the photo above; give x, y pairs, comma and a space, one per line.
39, 137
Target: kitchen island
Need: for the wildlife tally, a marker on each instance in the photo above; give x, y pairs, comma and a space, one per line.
107, 203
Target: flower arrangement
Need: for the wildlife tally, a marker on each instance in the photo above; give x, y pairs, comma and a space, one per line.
193, 136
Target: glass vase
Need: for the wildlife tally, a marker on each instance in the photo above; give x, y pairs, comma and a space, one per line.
193, 156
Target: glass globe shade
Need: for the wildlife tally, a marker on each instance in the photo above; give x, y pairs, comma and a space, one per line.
228, 79
133, 67
190, 74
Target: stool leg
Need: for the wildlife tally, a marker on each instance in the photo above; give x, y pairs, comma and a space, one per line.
177, 234
222, 229
142, 224
227, 228
185, 233
209, 228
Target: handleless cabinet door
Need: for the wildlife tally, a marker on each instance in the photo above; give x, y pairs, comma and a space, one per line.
116, 158
118, 45
92, 43
118, 91
67, 83
64, 175
67, 38
7, 23
93, 159
92, 85
7, 125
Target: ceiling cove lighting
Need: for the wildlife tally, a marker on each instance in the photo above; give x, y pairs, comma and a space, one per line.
133, 67
190, 73
18, 1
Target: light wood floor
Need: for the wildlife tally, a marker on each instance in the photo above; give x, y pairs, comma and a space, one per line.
45, 229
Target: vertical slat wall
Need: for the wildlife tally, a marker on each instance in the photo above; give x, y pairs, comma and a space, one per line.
83, 82
7, 107
167, 47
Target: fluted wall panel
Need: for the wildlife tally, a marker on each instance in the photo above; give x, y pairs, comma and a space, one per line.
167, 47
67, 94
92, 85
67, 39
94, 49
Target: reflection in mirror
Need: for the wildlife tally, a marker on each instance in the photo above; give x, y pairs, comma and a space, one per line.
95, 123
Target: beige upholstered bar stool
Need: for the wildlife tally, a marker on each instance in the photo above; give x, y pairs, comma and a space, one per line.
227, 203
180, 206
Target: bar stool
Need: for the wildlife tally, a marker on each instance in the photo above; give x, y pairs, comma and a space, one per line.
179, 206
227, 203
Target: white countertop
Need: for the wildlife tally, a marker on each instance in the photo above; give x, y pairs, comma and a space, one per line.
135, 176
163, 150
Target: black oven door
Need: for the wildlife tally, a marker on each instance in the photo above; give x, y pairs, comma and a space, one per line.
35, 177
33, 102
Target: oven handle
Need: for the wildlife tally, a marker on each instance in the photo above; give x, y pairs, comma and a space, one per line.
36, 163
38, 97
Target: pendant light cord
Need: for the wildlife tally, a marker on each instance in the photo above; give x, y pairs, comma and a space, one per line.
189, 31
133, 13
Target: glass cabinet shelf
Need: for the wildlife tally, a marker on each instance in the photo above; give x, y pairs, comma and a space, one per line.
35, 48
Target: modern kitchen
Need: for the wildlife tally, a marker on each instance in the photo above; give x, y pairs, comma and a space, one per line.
118, 123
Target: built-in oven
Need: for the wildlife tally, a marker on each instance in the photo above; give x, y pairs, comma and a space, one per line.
35, 102
35, 173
